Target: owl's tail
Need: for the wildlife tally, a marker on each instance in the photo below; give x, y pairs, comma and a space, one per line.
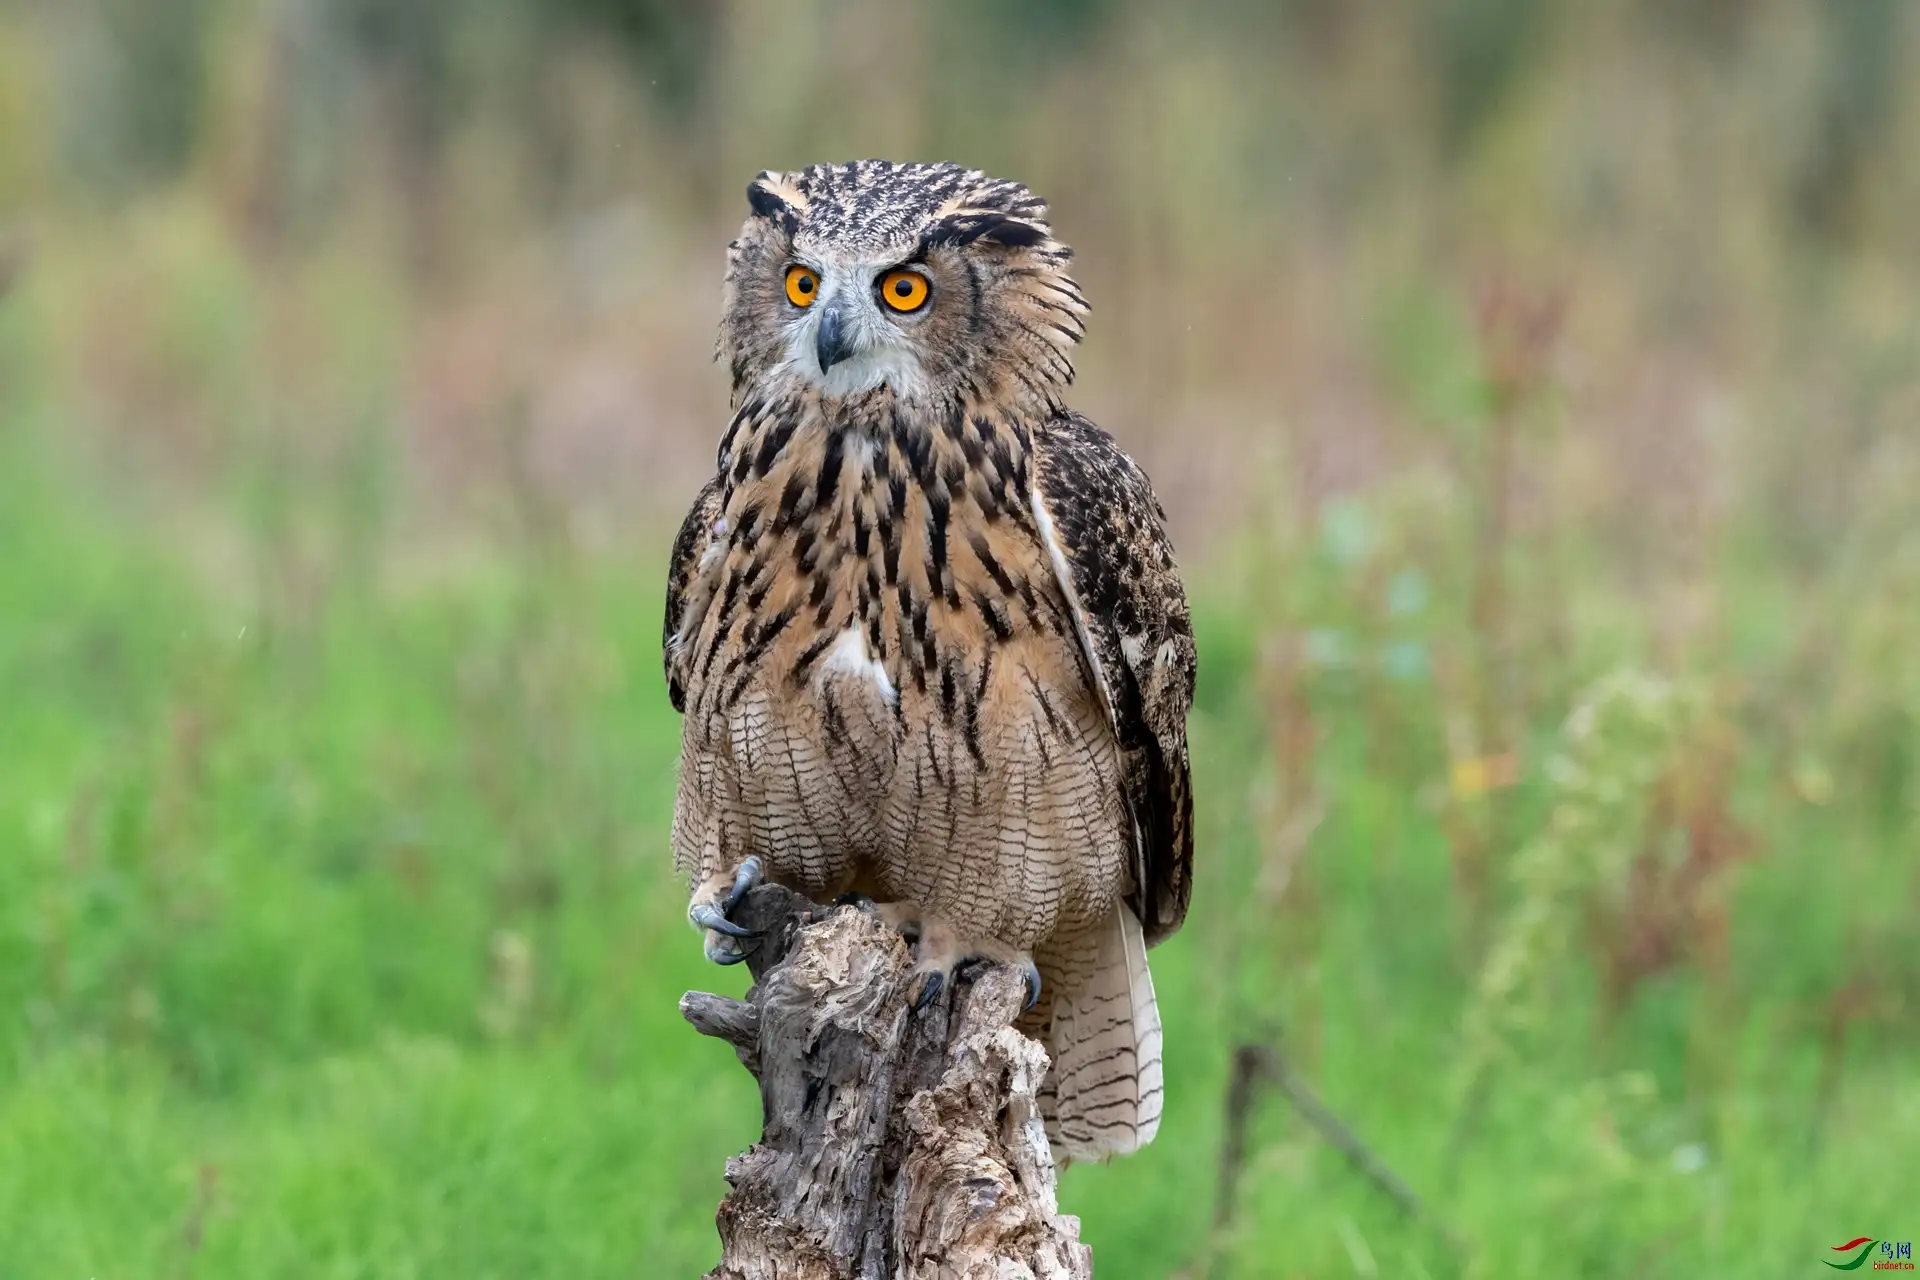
1105, 1041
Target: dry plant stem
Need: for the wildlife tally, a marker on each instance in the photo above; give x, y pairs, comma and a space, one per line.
895, 1144
1252, 1067
1264, 1064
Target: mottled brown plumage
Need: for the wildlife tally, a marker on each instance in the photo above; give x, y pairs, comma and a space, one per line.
924, 622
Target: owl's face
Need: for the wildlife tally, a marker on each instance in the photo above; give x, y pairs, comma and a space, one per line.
925, 282
856, 320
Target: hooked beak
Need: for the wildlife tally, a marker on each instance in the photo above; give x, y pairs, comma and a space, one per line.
831, 341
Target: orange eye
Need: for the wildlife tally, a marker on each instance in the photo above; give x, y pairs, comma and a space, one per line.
803, 286
904, 290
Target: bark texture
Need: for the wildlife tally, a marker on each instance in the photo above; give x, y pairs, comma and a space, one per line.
895, 1144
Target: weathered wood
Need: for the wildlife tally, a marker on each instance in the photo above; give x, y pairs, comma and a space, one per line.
895, 1144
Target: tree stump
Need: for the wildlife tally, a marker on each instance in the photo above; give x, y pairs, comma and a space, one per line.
895, 1144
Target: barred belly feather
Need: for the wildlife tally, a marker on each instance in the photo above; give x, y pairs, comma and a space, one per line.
886, 690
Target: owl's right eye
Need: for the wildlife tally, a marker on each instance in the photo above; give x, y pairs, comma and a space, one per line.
802, 285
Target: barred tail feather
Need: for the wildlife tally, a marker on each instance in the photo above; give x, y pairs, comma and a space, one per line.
1105, 1040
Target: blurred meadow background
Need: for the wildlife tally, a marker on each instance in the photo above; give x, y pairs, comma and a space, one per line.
1534, 388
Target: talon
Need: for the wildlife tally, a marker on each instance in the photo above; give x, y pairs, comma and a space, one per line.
709, 916
930, 991
1029, 975
744, 879
860, 900
722, 950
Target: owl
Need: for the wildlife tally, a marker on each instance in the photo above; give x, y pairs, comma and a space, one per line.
924, 622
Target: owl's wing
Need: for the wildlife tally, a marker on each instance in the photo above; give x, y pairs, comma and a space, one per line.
1107, 536
696, 533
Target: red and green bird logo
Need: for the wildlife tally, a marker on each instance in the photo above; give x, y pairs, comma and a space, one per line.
1864, 1244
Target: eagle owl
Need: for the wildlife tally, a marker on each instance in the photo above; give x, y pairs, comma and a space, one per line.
924, 622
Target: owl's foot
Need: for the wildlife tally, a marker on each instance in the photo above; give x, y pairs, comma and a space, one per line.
717, 895
939, 949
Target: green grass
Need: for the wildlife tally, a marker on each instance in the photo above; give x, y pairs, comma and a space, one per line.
342, 941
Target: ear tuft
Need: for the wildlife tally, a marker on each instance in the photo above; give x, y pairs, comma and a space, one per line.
770, 204
1015, 234
993, 227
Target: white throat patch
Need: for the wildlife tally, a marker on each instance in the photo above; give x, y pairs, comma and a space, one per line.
891, 365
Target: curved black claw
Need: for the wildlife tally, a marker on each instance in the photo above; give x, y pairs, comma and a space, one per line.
709, 916
724, 951
1029, 975
936, 982
744, 879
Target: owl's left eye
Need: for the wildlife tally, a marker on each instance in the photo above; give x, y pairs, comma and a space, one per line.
803, 286
904, 290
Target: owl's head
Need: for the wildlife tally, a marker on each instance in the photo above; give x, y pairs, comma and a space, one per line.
928, 282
